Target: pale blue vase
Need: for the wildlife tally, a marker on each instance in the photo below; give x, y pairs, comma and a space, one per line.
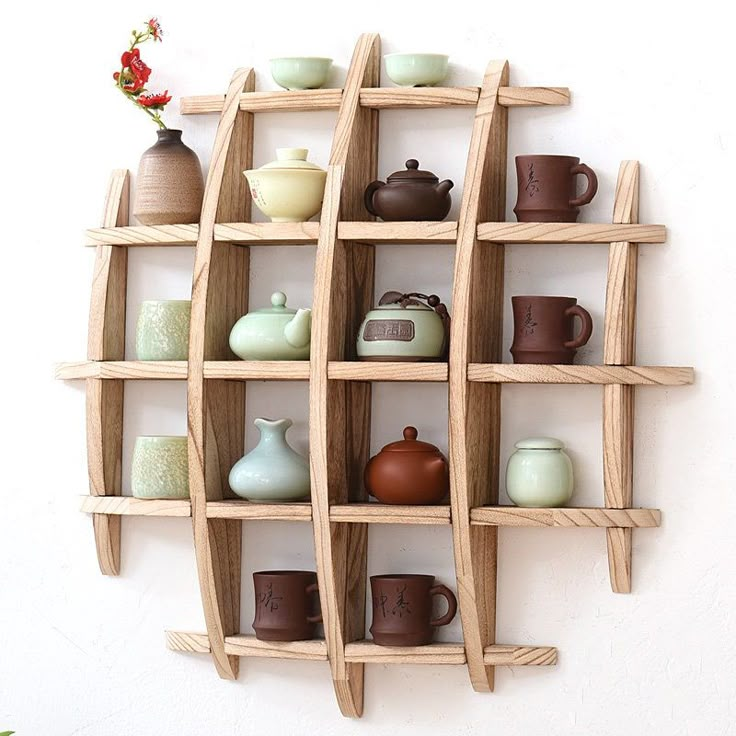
272, 471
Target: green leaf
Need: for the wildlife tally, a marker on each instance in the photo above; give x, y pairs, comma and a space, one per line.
7, 733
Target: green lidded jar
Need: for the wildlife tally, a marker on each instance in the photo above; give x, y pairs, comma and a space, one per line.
539, 474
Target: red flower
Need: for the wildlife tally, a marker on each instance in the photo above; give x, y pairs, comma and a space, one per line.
130, 83
154, 28
138, 69
156, 102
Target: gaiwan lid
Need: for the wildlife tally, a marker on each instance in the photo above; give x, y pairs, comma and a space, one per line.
278, 305
540, 443
397, 300
413, 173
291, 158
410, 443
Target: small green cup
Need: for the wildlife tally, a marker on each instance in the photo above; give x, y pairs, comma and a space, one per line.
300, 72
416, 70
160, 467
162, 332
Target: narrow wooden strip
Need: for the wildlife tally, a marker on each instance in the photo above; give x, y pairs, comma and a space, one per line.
128, 506
565, 517
142, 370
513, 656
569, 232
634, 375
257, 370
379, 513
232, 509
246, 645
386, 371
397, 98
435, 653
533, 96
268, 233
415, 233
187, 641
268, 101
141, 235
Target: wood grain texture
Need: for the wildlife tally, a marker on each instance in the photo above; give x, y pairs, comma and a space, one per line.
246, 645
104, 400
142, 235
501, 655
416, 98
634, 375
618, 401
128, 506
130, 370
398, 233
307, 100
477, 312
379, 513
532, 233
232, 509
216, 409
533, 96
187, 641
565, 517
257, 370
386, 371
339, 421
435, 653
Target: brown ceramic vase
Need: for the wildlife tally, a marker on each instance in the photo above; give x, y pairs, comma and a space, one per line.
169, 187
408, 472
285, 607
547, 188
411, 194
544, 329
402, 609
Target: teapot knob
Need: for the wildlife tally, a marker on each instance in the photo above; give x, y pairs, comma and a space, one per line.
278, 299
412, 163
410, 433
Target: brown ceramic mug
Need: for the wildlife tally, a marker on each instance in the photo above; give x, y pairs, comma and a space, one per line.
547, 188
402, 609
544, 329
285, 608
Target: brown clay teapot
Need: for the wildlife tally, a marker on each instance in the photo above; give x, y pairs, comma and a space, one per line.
408, 472
411, 194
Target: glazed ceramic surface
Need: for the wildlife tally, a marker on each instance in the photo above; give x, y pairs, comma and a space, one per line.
170, 185
539, 474
402, 609
547, 188
160, 468
162, 331
404, 327
272, 471
287, 605
416, 70
544, 329
408, 472
289, 189
300, 72
273, 333
411, 194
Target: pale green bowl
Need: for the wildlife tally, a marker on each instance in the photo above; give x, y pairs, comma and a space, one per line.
160, 467
300, 72
416, 70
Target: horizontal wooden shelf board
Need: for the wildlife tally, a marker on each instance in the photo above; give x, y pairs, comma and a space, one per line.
633, 375
142, 370
398, 98
504, 655
564, 517
374, 370
129, 506
435, 653
379, 513
257, 370
246, 645
533, 96
142, 235
569, 232
416, 233
236, 509
268, 101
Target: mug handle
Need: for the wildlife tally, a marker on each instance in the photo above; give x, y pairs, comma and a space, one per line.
313, 588
451, 605
587, 328
368, 195
589, 193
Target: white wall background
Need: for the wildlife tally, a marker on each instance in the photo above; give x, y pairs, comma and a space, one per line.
83, 654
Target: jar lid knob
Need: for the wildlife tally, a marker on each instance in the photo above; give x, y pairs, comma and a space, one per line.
410, 433
412, 163
278, 299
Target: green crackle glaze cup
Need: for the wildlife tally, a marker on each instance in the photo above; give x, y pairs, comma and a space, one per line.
300, 72
162, 332
416, 70
160, 467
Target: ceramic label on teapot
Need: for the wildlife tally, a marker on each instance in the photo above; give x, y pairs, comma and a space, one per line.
389, 329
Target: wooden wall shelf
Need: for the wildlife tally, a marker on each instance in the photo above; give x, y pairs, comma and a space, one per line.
340, 386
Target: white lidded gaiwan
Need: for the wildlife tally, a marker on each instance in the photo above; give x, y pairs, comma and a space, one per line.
539, 474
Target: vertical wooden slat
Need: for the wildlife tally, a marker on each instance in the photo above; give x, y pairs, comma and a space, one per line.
106, 341
216, 409
618, 400
475, 408
339, 421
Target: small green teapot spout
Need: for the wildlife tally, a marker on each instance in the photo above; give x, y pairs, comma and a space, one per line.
298, 330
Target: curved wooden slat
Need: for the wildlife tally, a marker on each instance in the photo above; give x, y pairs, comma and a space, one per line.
477, 315
339, 421
216, 408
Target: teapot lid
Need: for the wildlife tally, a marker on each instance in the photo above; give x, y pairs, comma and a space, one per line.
397, 300
413, 173
291, 158
540, 443
410, 443
278, 305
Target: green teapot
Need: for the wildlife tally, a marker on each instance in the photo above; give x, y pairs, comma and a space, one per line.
273, 333
409, 327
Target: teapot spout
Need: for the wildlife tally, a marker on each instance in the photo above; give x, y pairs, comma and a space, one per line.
298, 330
444, 187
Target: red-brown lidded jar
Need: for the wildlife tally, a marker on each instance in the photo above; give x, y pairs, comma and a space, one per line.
408, 472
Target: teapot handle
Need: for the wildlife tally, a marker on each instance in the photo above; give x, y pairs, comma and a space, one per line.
368, 196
